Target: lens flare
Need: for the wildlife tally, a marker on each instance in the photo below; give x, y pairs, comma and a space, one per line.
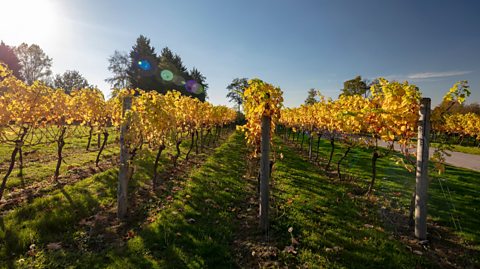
166, 75
189, 85
193, 87
144, 65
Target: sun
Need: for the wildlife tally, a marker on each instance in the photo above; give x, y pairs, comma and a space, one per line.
29, 19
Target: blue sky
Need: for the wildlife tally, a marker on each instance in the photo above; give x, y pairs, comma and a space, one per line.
296, 45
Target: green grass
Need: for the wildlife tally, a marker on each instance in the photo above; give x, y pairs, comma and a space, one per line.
328, 223
40, 165
454, 197
395, 182
172, 241
461, 200
77, 140
55, 218
195, 227
464, 149
38, 171
52, 218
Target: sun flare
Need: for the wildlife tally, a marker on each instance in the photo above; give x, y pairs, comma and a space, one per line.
29, 19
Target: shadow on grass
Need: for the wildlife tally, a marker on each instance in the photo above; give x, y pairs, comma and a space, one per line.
52, 218
26, 231
334, 228
453, 199
196, 227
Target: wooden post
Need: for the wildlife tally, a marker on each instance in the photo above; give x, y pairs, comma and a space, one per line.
122, 191
265, 174
422, 170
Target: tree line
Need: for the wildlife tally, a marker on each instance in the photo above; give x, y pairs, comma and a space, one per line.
141, 68
30, 63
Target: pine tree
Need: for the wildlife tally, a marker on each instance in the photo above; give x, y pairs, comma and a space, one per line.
163, 73
143, 71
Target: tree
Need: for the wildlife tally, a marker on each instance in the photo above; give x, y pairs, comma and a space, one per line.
119, 64
70, 81
35, 63
163, 73
8, 57
311, 97
236, 90
356, 86
143, 65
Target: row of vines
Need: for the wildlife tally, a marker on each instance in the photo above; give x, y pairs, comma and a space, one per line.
36, 114
388, 116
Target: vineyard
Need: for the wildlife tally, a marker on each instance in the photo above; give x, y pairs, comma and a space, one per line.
150, 180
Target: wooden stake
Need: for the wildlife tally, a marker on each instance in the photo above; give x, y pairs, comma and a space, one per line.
122, 191
422, 170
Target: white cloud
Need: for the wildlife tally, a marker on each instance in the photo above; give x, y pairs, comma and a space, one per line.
426, 75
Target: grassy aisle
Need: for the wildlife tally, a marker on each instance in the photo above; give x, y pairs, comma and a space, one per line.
78, 221
40, 163
195, 229
193, 223
333, 228
454, 196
